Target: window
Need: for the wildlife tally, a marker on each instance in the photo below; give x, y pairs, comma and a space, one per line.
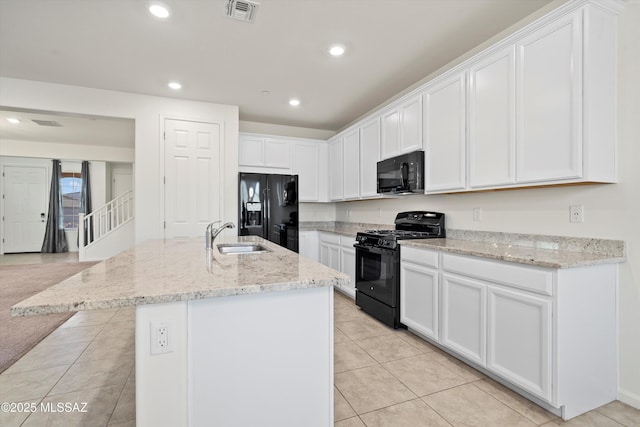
71, 185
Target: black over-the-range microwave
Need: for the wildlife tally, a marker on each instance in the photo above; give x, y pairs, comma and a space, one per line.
403, 174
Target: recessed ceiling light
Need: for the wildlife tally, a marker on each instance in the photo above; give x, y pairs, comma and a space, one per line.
13, 120
159, 11
175, 85
294, 102
336, 50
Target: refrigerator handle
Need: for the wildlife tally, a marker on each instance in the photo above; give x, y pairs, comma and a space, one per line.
265, 213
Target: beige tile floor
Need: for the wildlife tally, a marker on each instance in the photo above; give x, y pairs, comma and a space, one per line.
383, 377
392, 378
88, 359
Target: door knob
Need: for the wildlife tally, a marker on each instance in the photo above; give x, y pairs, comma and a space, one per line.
41, 214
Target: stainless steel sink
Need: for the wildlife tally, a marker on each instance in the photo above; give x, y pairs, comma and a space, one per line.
241, 248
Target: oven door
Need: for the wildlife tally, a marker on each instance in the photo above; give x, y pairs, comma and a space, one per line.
377, 273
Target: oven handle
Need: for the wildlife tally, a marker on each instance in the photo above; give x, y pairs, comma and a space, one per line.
374, 250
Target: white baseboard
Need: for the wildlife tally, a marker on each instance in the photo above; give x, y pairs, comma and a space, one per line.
629, 398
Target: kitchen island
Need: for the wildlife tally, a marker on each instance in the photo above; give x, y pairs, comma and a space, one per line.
220, 339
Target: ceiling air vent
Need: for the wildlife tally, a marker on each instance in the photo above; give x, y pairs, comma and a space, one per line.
242, 10
47, 123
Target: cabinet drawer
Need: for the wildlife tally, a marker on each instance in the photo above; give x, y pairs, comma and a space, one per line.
419, 256
331, 238
528, 278
347, 241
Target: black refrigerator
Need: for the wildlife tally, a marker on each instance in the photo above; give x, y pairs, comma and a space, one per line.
269, 208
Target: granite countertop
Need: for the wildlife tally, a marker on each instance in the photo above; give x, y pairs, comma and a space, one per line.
531, 249
160, 271
550, 258
349, 229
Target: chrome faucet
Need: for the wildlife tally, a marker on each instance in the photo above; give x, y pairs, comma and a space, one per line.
211, 233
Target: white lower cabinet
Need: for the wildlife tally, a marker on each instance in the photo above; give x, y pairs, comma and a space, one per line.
547, 333
519, 339
308, 245
330, 250
419, 298
337, 252
348, 265
464, 316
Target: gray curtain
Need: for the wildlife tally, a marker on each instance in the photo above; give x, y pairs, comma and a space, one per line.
54, 238
85, 200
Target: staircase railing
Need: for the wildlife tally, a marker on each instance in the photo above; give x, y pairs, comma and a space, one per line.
104, 220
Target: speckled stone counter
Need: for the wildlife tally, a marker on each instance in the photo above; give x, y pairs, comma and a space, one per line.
530, 255
531, 249
178, 270
349, 229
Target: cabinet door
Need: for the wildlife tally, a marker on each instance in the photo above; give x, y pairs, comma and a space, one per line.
419, 298
411, 125
549, 88
277, 154
390, 140
330, 250
306, 158
369, 157
492, 120
519, 339
463, 317
308, 244
351, 164
444, 134
250, 151
336, 190
348, 266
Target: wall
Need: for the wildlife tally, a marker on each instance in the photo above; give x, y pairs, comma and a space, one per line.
52, 150
97, 173
317, 211
281, 130
611, 210
149, 113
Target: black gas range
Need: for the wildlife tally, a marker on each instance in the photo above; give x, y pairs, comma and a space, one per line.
378, 262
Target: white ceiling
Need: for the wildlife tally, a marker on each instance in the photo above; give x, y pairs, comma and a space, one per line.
73, 129
118, 45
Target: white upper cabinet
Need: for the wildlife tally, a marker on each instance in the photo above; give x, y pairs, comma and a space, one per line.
541, 108
549, 97
250, 151
336, 170
402, 128
411, 124
277, 154
390, 141
444, 122
492, 132
536, 108
351, 164
307, 158
255, 151
369, 157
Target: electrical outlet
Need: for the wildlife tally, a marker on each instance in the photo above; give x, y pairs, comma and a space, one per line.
576, 213
161, 338
477, 214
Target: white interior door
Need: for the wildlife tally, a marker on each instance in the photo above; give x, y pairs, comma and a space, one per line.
25, 208
192, 177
